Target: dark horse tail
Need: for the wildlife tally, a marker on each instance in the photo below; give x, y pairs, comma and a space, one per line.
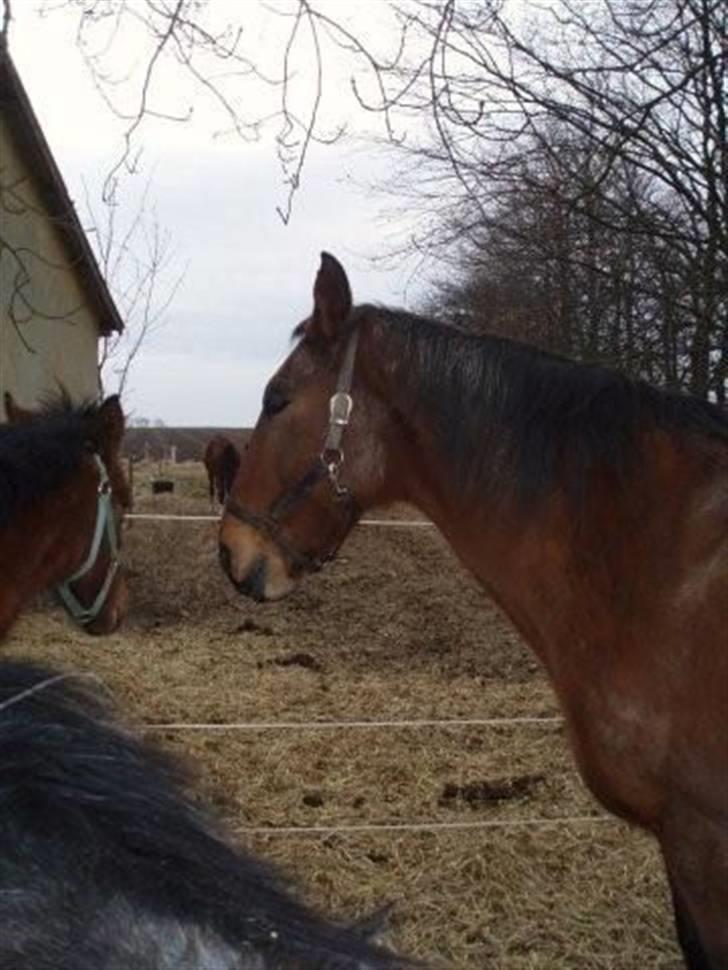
106, 863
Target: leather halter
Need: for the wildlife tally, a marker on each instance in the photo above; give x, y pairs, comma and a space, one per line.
105, 526
326, 467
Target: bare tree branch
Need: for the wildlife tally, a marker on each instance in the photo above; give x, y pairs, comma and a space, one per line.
7, 16
137, 263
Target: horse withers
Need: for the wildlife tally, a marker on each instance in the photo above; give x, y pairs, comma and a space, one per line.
106, 864
593, 508
62, 497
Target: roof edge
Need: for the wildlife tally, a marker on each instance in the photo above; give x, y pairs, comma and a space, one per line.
25, 127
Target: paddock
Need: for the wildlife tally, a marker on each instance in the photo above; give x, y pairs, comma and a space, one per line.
382, 734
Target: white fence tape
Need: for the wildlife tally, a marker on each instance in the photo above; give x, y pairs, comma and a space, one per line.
339, 725
509, 823
160, 517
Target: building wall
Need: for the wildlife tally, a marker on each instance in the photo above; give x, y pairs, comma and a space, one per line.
55, 342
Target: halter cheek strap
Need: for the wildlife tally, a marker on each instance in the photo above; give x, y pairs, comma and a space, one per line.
105, 527
340, 408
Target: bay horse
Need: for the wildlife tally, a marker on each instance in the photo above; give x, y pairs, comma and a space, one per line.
106, 863
221, 461
62, 497
591, 507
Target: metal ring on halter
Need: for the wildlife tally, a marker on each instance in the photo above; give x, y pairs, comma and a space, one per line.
332, 457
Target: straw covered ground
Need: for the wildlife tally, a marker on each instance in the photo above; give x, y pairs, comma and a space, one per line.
393, 630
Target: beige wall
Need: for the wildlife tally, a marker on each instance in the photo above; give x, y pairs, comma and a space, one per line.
61, 332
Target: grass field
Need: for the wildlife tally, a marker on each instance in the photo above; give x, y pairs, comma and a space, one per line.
393, 630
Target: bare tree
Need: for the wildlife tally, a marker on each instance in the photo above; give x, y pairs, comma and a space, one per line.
541, 270
156, 60
517, 98
135, 262
138, 264
636, 87
486, 103
172, 39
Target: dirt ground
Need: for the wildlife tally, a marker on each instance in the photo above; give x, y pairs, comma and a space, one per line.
393, 630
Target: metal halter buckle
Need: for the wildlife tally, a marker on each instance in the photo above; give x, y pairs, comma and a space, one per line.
340, 407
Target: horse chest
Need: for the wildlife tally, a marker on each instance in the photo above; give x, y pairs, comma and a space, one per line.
620, 747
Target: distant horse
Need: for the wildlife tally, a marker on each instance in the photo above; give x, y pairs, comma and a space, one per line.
62, 496
221, 460
593, 508
105, 863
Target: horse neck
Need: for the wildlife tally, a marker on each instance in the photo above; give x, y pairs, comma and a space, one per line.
553, 568
44, 545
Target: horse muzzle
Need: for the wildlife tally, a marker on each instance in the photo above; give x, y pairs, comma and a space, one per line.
264, 579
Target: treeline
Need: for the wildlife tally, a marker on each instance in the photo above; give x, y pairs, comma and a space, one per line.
581, 163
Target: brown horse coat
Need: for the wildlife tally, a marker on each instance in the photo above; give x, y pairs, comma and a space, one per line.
593, 508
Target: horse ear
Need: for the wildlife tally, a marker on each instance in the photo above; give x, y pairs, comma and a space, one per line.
111, 422
16, 414
331, 298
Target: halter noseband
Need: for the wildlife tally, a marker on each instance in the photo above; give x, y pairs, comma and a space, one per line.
105, 526
327, 466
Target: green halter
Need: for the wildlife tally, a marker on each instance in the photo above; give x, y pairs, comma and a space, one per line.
105, 526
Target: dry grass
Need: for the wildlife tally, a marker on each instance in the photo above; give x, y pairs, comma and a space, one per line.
394, 630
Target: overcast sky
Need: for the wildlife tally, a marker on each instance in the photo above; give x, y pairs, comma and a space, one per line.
247, 277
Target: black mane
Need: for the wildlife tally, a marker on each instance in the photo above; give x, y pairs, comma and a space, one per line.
105, 863
507, 414
40, 455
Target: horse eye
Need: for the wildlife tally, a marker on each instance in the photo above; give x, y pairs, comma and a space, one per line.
275, 400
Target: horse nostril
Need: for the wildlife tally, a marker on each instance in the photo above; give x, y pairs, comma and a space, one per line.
254, 583
225, 562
